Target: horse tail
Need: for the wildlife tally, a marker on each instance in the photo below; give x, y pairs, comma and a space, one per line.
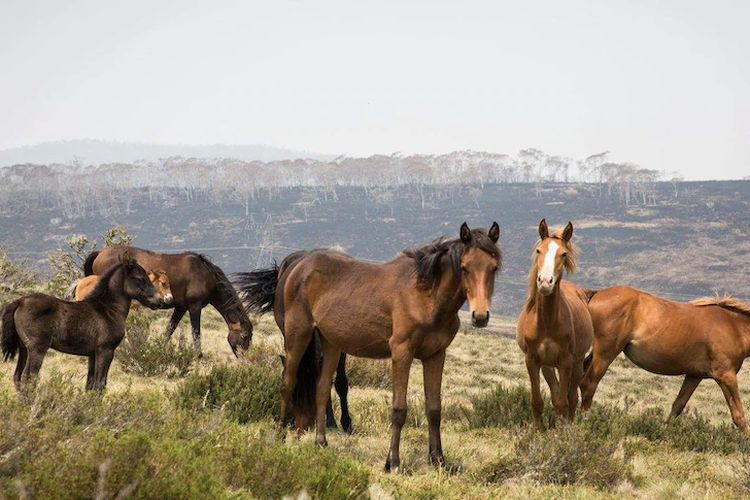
308, 373
88, 264
9, 335
258, 288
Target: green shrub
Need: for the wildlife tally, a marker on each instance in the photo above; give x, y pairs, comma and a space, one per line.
247, 393
146, 354
271, 469
506, 407
566, 455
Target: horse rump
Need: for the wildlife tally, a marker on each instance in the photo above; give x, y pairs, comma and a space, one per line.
9, 335
258, 288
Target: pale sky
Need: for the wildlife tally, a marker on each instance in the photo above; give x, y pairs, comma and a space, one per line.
666, 86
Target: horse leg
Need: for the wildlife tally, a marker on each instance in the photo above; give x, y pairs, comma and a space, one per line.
195, 322
432, 369
177, 315
537, 403
728, 383
330, 417
331, 355
603, 356
20, 365
401, 359
90, 379
565, 369
342, 389
575, 381
551, 378
35, 357
103, 361
688, 387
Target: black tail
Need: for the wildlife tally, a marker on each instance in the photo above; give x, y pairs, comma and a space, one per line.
9, 334
258, 289
88, 265
303, 397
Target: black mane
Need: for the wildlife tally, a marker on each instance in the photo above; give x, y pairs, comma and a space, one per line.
428, 259
227, 294
101, 290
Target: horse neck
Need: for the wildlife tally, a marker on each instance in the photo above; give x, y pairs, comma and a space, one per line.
449, 296
115, 299
228, 306
548, 308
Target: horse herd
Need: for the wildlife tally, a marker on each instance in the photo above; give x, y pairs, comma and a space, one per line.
329, 305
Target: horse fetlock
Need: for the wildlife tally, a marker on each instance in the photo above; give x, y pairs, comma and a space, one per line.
398, 417
437, 458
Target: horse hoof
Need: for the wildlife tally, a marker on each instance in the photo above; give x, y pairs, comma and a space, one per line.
323, 443
347, 426
437, 459
391, 467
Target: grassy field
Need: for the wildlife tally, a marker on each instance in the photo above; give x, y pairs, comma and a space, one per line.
169, 436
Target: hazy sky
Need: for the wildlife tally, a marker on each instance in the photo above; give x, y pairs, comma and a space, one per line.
666, 86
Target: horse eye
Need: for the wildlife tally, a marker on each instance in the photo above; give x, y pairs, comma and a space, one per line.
538, 251
565, 254
463, 268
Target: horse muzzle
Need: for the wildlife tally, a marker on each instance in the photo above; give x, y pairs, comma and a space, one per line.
480, 320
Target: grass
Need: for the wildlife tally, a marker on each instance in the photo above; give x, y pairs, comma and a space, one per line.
211, 432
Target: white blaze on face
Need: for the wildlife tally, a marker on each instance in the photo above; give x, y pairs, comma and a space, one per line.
548, 268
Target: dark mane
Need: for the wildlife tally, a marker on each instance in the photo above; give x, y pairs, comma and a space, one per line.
428, 259
101, 290
228, 300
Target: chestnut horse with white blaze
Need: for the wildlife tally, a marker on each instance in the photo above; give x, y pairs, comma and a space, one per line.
708, 338
554, 328
403, 309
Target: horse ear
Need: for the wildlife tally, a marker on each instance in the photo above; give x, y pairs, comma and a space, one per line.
543, 229
465, 233
494, 232
568, 232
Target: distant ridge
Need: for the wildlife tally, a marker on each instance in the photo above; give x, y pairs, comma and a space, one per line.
96, 152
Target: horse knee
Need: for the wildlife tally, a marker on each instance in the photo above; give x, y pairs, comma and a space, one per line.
398, 417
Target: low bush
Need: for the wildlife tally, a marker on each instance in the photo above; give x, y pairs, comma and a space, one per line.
506, 407
144, 353
566, 455
247, 393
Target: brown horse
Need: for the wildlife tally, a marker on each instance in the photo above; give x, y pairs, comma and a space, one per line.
93, 327
158, 278
195, 282
403, 309
709, 338
554, 329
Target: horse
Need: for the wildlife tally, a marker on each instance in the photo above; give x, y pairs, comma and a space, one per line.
83, 287
254, 291
93, 327
404, 309
195, 282
554, 329
708, 338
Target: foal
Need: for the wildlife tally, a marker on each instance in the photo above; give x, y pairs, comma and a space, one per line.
93, 327
554, 329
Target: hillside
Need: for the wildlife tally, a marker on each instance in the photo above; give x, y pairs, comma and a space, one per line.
689, 240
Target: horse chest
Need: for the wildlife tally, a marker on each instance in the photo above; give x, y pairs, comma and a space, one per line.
547, 351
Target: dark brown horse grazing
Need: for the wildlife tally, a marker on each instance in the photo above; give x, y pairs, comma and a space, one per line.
195, 283
93, 327
403, 309
554, 329
709, 338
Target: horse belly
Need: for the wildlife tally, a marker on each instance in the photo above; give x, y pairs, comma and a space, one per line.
664, 360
